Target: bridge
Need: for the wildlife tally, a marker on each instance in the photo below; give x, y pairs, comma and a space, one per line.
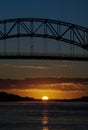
37, 38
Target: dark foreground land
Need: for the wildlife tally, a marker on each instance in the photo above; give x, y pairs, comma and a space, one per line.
5, 97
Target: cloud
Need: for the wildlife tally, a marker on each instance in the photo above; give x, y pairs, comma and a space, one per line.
70, 86
62, 65
4, 65
62, 87
24, 66
37, 84
31, 67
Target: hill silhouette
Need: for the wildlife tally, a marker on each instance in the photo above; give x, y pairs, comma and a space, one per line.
5, 97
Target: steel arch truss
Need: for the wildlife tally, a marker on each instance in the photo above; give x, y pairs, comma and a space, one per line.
46, 28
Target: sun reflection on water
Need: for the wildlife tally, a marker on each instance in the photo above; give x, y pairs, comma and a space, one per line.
45, 120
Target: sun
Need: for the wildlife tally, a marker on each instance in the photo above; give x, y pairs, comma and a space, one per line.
45, 98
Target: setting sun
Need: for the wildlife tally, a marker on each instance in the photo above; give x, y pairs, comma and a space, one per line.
45, 98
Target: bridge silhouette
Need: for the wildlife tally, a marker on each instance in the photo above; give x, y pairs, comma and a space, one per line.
36, 38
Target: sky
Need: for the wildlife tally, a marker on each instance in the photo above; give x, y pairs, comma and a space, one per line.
74, 11
69, 10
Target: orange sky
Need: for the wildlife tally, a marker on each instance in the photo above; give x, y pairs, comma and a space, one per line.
52, 94
21, 70
53, 91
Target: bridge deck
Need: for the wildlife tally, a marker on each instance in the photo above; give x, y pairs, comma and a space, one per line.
72, 58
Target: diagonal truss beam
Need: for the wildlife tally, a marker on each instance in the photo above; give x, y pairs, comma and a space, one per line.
45, 28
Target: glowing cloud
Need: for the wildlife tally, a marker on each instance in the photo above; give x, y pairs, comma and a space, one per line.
31, 67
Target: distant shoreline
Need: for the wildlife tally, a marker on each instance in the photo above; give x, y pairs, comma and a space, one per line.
5, 97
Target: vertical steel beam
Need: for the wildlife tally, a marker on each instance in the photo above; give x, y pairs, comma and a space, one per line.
32, 28
18, 36
4, 38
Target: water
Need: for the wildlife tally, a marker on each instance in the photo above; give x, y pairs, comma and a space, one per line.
44, 116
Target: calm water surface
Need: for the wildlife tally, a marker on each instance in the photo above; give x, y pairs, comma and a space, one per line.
44, 116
